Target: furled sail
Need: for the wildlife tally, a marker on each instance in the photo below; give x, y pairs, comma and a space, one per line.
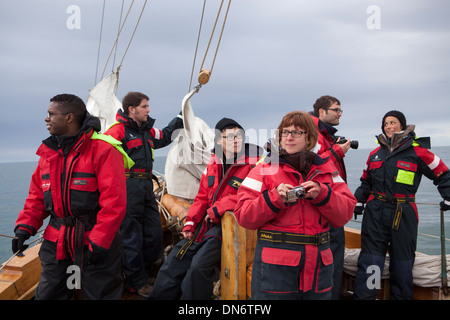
189, 153
102, 102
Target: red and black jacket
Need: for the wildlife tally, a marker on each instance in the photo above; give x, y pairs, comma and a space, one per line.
261, 207
139, 141
218, 190
327, 146
398, 173
82, 189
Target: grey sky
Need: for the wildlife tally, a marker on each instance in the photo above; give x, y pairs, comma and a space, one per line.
275, 57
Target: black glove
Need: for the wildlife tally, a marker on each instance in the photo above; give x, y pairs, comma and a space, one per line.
18, 243
97, 255
444, 205
359, 210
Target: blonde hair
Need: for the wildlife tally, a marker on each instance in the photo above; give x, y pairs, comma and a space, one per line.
299, 119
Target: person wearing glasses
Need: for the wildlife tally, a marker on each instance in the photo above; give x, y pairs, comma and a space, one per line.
79, 183
293, 259
386, 195
141, 230
189, 270
327, 113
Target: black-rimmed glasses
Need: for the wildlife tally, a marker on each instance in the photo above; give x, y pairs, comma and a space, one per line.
294, 133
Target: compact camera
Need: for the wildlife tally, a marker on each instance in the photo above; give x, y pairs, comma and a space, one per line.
296, 193
354, 144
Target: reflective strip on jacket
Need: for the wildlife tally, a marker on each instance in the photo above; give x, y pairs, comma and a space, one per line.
139, 141
398, 173
218, 194
261, 207
89, 182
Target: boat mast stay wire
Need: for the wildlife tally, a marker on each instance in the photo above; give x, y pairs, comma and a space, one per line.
118, 31
114, 47
99, 42
134, 31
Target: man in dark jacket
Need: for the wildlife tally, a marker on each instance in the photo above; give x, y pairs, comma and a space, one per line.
79, 182
141, 229
188, 272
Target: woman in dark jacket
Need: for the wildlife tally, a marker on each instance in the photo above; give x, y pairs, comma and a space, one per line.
389, 183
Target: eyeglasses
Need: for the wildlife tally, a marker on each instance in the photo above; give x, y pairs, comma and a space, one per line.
294, 133
337, 110
231, 137
51, 114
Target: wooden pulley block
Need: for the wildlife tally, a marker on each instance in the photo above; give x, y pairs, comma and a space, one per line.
204, 76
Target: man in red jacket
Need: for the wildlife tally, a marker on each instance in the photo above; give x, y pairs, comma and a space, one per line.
80, 183
327, 113
141, 232
188, 272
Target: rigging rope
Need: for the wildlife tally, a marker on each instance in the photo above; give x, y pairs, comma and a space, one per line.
134, 31
118, 34
39, 239
221, 33
196, 46
117, 38
205, 74
99, 42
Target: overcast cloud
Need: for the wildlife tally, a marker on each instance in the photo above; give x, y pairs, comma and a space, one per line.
276, 56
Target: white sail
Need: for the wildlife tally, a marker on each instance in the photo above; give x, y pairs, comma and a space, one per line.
189, 153
102, 102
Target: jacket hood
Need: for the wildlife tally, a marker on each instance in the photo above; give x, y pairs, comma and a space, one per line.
91, 121
397, 139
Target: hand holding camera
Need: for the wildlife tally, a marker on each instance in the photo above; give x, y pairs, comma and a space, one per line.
354, 144
290, 194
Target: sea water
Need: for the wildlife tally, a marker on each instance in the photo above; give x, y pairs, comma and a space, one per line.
15, 181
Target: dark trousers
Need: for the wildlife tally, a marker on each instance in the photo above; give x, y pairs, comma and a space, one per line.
192, 277
377, 237
337, 246
98, 282
141, 232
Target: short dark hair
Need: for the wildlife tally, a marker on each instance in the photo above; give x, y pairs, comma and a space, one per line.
324, 102
132, 99
69, 103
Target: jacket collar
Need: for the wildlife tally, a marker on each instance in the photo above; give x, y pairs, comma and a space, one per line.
323, 127
123, 118
250, 150
274, 157
90, 124
398, 139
